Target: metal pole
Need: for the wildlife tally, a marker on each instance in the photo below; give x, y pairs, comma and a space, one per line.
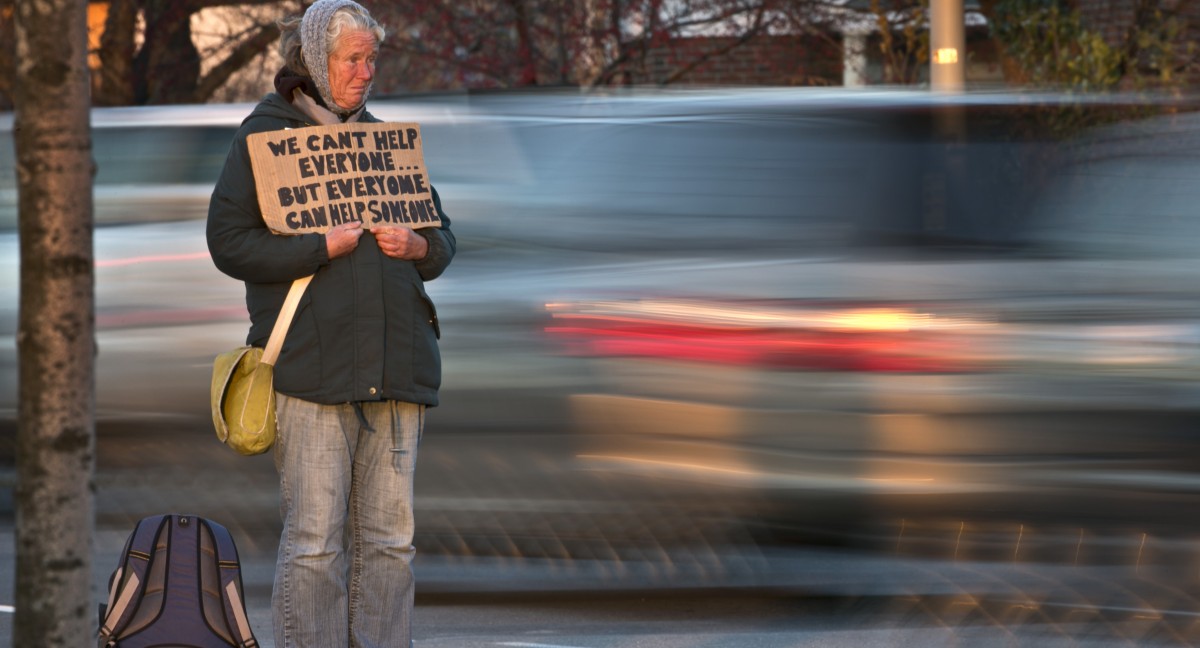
947, 75
947, 46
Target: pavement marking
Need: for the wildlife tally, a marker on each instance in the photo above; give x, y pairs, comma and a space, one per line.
520, 644
8, 608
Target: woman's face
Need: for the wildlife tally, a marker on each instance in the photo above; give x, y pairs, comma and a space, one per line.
352, 67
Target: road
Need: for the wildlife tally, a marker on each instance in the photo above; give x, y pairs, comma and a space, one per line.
522, 576
754, 617
756, 620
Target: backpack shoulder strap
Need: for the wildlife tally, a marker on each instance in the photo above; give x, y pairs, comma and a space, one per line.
129, 581
231, 584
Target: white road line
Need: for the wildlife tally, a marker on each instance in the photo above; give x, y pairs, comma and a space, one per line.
519, 644
7, 608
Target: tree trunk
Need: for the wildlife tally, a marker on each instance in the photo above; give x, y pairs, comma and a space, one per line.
168, 65
7, 56
116, 54
526, 56
55, 345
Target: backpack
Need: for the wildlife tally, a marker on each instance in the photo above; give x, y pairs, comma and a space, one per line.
178, 584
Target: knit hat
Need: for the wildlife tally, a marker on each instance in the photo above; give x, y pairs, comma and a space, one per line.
313, 28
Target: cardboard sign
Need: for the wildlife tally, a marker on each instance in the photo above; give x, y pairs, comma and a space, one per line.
311, 179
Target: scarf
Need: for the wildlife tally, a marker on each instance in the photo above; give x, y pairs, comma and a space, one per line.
301, 92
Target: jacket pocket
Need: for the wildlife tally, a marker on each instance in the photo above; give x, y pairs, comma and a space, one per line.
427, 359
431, 315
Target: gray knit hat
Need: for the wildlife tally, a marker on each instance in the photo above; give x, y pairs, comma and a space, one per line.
313, 29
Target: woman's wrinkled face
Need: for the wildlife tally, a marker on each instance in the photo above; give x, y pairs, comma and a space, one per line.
352, 68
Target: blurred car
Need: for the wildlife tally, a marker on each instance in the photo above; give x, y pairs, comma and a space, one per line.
795, 312
998, 323
851, 310
152, 164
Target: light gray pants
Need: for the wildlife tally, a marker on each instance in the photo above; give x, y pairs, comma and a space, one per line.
343, 577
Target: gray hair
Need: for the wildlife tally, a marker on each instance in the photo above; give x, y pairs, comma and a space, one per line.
333, 18
289, 44
355, 18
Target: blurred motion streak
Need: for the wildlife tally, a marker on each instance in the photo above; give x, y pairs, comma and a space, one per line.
861, 339
783, 337
161, 258
174, 317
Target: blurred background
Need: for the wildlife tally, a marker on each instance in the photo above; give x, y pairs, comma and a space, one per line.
696, 338
858, 340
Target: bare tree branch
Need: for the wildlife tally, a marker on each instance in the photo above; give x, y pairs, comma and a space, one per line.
242, 54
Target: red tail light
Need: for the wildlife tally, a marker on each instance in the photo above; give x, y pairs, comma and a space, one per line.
835, 340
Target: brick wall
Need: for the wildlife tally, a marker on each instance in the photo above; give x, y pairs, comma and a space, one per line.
788, 61
1112, 18
772, 60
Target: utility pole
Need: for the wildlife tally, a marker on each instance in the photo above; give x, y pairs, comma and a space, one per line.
947, 77
947, 46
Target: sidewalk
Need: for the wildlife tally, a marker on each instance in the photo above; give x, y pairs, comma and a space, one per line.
155, 467
486, 530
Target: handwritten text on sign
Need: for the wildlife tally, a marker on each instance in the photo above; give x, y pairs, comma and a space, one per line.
311, 179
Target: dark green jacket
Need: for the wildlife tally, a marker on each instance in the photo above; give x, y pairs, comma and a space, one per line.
365, 329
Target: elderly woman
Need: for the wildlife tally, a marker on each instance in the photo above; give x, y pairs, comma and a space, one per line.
360, 363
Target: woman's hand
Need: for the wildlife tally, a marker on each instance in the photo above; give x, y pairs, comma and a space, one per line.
401, 243
342, 239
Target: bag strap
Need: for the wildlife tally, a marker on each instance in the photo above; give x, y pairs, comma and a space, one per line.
130, 579
231, 584
284, 321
